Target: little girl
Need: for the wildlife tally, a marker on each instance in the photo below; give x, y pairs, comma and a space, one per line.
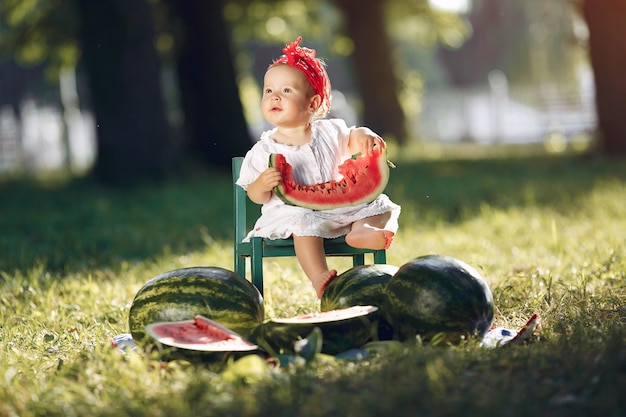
296, 98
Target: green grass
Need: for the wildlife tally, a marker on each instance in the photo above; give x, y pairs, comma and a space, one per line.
547, 233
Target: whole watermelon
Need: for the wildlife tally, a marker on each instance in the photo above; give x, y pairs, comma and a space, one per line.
182, 294
361, 285
438, 295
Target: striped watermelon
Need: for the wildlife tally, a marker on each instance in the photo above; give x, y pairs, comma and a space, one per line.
361, 285
341, 329
182, 294
438, 296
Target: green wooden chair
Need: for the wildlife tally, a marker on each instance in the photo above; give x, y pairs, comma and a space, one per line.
258, 248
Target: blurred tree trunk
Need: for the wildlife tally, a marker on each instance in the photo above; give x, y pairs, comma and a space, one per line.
134, 141
215, 126
13, 80
373, 67
607, 33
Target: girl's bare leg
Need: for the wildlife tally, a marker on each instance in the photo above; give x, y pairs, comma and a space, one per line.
370, 233
312, 259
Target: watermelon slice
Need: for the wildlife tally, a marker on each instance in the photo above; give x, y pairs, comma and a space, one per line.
200, 334
363, 178
328, 316
341, 330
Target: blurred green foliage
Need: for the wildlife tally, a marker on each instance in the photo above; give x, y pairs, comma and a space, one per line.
542, 43
36, 31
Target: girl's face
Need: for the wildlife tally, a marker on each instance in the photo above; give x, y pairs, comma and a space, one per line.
288, 98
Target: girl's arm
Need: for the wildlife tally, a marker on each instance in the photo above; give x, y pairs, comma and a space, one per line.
363, 139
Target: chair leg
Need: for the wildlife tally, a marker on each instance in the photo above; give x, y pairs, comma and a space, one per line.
240, 266
380, 257
358, 259
256, 263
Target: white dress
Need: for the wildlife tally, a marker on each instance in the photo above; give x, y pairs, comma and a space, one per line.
313, 163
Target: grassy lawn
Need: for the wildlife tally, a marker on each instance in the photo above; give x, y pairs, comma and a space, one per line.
548, 234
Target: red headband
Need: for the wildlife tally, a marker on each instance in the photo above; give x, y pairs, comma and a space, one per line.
304, 60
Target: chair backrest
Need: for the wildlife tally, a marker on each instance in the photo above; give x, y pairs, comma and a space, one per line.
240, 202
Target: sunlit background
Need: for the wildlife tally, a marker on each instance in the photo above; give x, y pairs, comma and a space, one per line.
457, 6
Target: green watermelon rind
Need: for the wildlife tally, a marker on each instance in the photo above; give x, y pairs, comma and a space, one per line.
278, 337
360, 285
330, 200
181, 294
414, 310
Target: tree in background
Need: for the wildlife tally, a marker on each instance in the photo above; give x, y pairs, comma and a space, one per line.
373, 67
134, 140
496, 43
113, 45
36, 44
535, 43
605, 19
214, 124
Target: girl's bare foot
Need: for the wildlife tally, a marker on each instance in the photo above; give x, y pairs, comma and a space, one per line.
370, 238
321, 281
388, 238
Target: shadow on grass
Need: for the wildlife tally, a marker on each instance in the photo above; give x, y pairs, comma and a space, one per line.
81, 226
455, 190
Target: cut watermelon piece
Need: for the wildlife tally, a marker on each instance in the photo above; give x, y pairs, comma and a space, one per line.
200, 334
363, 178
341, 329
328, 316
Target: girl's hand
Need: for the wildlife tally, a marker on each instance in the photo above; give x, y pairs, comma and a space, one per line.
269, 179
364, 140
260, 191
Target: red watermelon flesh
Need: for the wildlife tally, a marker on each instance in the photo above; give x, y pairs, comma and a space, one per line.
363, 178
201, 334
